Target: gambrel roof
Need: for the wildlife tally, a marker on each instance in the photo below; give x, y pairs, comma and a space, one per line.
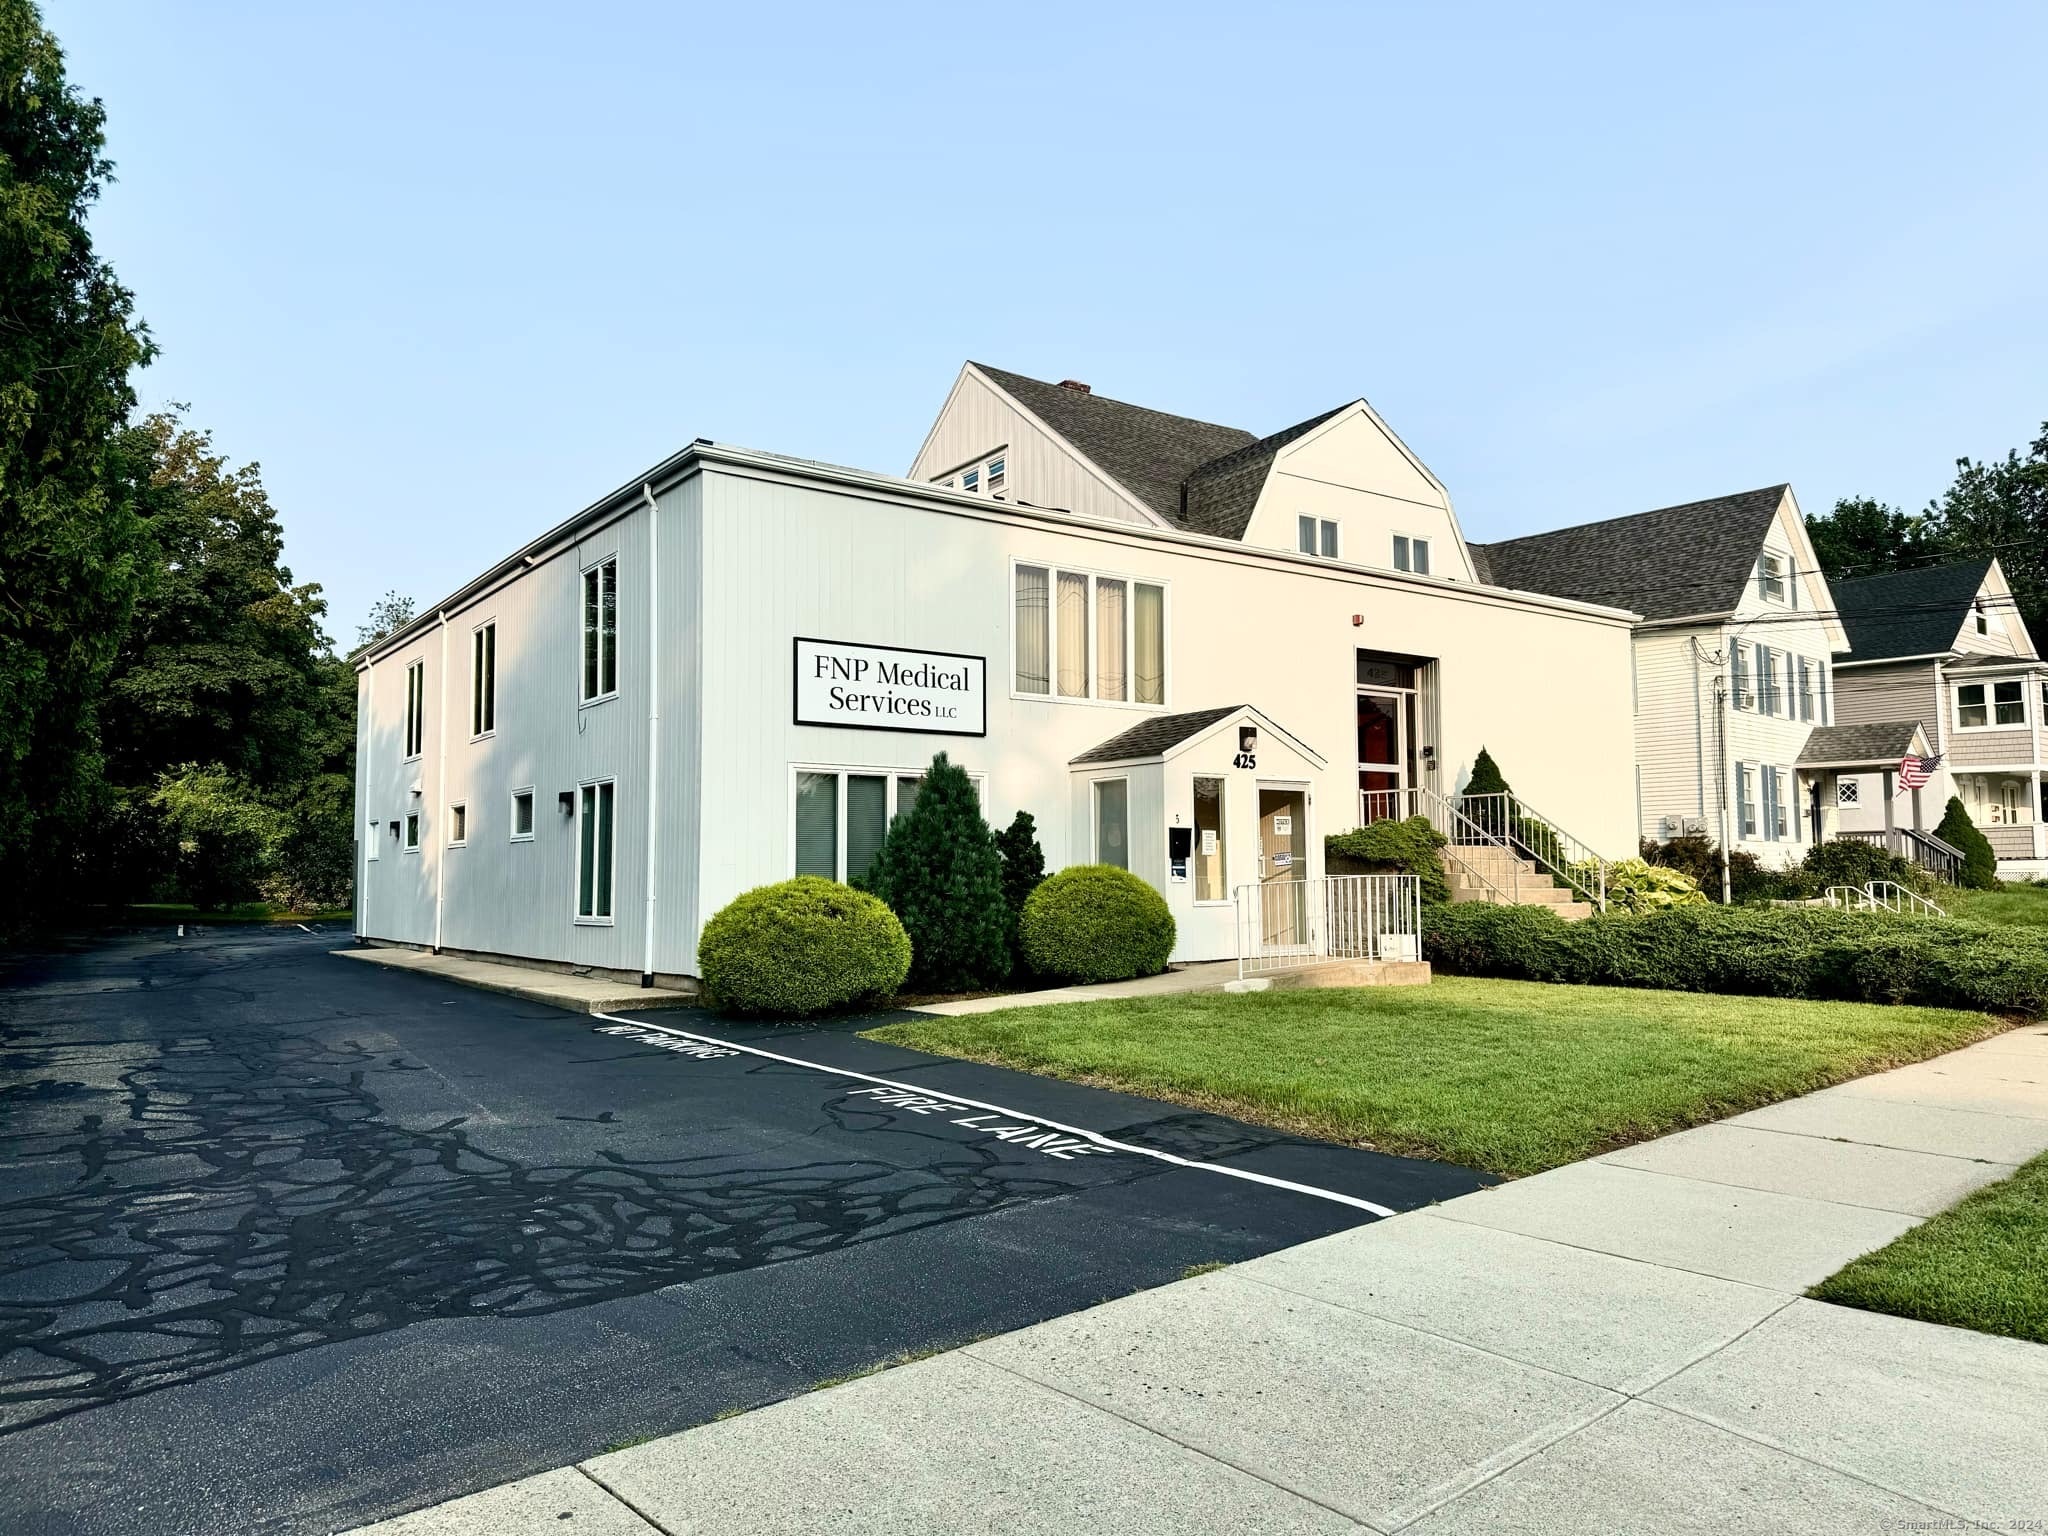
1673, 562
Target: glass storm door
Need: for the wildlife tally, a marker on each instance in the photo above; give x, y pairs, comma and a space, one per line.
1382, 756
1283, 865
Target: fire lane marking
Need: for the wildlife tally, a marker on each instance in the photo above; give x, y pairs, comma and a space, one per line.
1022, 1125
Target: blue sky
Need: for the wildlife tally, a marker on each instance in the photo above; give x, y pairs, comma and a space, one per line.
450, 271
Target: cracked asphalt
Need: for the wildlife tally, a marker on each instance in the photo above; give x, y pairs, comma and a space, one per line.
290, 1243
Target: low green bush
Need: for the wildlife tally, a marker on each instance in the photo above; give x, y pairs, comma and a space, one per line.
1636, 886
1391, 847
1755, 951
1845, 861
801, 948
1095, 922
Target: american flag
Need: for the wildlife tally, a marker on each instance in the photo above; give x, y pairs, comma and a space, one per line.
1915, 771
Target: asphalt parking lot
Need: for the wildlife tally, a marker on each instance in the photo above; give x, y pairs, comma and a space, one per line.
290, 1244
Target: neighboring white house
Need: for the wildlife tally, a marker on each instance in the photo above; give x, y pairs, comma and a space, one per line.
736, 667
1944, 646
1733, 658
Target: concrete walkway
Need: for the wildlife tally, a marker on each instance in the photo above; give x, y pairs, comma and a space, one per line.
1621, 1345
558, 989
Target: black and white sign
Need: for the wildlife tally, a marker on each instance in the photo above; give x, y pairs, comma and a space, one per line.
884, 688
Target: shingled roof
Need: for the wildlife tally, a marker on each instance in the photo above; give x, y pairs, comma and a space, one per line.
1221, 494
1908, 613
1149, 453
1156, 736
1669, 563
1856, 746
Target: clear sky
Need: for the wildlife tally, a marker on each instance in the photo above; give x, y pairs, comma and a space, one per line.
451, 271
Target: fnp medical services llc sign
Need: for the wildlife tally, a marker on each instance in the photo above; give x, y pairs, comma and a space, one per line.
883, 688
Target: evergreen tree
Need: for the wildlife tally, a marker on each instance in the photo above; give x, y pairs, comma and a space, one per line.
1486, 776
939, 870
71, 547
1980, 863
1023, 868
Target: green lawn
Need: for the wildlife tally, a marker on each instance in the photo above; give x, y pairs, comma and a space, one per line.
1982, 1264
1511, 1076
2024, 905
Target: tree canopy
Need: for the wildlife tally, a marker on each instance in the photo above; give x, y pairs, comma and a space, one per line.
72, 547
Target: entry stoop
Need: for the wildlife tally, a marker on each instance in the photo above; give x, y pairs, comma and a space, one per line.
1498, 875
1339, 973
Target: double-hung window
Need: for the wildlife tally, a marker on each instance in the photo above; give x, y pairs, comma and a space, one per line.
1745, 800
1316, 536
412, 831
1805, 689
1080, 635
1738, 674
839, 816
483, 683
1772, 576
596, 835
416, 709
1766, 680
1411, 554
600, 631
1991, 704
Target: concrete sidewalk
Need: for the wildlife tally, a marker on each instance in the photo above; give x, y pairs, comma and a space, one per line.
534, 984
1621, 1345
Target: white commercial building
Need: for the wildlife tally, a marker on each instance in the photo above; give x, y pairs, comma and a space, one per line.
1181, 648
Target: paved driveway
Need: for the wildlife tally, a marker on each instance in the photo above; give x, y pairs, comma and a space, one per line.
288, 1243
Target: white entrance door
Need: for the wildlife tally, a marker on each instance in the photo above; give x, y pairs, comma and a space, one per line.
1283, 866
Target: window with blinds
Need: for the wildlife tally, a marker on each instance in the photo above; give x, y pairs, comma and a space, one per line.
839, 817
1086, 636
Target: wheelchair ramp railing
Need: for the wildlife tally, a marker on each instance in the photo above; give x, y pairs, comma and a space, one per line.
1285, 925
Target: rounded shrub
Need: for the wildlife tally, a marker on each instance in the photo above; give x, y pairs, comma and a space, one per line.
804, 947
1095, 922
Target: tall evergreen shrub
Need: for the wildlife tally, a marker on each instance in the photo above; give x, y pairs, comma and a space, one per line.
1023, 868
939, 871
1980, 864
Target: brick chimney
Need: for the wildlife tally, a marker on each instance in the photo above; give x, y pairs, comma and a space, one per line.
1076, 386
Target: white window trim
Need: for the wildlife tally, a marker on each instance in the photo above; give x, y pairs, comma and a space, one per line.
458, 811
412, 822
1425, 540
416, 704
1783, 597
1991, 721
514, 835
576, 883
1317, 525
1053, 570
474, 630
618, 671
374, 841
889, 775
1095, 817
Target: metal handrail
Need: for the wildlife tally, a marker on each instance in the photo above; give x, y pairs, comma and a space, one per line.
1569, 859
1460, 830
1284, 924
1897, 899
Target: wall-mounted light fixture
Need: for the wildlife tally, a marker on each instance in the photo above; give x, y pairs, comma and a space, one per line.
566, 800
394, 829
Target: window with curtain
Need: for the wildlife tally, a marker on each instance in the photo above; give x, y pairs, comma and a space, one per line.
1086, 636
1112, 823
1112, 633
1034, 635
1212, 879
1073, 635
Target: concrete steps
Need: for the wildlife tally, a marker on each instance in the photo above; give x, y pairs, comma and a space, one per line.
1497, 875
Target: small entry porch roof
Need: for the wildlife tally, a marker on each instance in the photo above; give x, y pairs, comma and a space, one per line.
1860, 747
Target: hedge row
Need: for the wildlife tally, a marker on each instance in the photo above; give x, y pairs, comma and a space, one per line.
1755, 951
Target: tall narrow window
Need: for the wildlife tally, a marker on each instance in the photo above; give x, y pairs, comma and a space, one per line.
1805, 689
1774, 814
867, 820
1073, 635
601, 630
416, 709
1305, 535
412, 831
817, 824
594, 840
1150, 644
484, 681
1034, 637
1112, 674
1745, 801
1329, 539
458, 824
1212, 879
1766, 681
1112, 823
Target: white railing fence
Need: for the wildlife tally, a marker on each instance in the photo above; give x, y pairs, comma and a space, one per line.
1287, 924
1881, 896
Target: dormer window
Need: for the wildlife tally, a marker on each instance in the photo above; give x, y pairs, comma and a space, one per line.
971, 481
1772, 576
995, 477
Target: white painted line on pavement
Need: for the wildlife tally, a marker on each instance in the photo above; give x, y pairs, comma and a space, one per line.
1003, 1109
